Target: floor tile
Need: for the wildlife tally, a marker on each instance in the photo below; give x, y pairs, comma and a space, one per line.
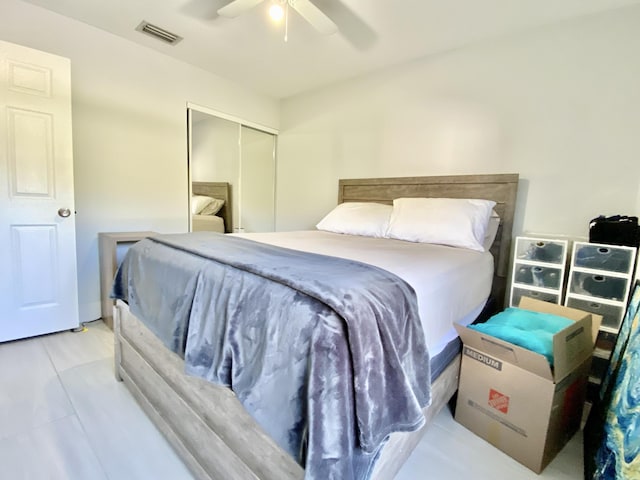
30, 391
56, 451
449, 450
70, 349
124, 439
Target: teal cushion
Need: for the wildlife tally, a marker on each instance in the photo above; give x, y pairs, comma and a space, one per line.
525, 328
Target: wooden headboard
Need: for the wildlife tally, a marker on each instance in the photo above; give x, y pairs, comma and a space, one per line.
501, 188
220, 190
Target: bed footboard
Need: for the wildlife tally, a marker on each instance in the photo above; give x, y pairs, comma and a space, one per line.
205, 423
210, 429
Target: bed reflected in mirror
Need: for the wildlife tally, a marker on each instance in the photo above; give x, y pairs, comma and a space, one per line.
211, 207
232, 173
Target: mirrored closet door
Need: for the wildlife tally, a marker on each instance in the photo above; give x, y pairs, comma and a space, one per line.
232, 165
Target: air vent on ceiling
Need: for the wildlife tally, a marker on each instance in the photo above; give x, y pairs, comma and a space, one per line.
159, 33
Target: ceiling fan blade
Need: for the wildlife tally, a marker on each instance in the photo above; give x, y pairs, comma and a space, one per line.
237, 7
314, 16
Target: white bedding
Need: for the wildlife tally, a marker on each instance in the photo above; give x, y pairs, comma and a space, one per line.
451, 284
207, 223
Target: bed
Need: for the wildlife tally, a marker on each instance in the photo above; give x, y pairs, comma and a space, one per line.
219, 221
208, 426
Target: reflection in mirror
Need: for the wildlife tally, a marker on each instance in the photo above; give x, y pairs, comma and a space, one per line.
232, 174
257, 181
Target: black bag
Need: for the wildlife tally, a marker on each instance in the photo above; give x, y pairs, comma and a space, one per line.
615, 230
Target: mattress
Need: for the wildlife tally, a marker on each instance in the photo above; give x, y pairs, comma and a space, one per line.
207, 223
452, 285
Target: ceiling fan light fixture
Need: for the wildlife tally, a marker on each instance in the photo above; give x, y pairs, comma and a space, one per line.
276, 12
307, 10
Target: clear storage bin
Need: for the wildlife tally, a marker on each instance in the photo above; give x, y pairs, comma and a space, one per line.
538, 276
518, 293
598, 285
603, 257
611, 314
541, 250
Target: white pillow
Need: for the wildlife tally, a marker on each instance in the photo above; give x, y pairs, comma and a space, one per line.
199, 202
213, 207
492, 231
456, 222
358, 218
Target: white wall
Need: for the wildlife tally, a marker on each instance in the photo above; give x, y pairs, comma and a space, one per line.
215, 156
560, 106
129, 120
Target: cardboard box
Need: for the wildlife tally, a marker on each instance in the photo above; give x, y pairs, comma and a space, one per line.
512, 397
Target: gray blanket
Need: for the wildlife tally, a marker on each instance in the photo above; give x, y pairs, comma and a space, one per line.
328, 355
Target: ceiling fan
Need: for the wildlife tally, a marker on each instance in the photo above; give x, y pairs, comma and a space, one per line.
305, 8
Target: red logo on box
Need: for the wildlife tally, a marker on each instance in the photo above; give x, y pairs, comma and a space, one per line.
498, 401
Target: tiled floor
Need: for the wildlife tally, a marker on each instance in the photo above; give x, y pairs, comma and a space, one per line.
63, 416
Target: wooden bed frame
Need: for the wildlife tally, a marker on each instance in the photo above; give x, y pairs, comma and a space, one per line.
220, 190
207, 425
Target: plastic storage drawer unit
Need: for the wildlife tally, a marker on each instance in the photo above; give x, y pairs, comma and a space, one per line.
600, 280
538, 269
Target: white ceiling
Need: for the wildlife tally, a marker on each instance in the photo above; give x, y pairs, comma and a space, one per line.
373, 34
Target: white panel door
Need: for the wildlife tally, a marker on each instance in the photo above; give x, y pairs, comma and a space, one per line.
38, 285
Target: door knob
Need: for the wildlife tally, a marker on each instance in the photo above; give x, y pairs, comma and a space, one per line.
64, 212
